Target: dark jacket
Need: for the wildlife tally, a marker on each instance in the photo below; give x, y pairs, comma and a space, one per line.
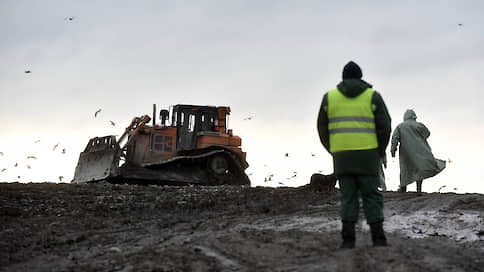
358, 162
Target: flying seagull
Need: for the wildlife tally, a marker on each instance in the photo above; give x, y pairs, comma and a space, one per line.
63, 151
28, 166
27, 71
55, 146
70, 18
459, 24
1, 153
112, 123
16, 164
97, 112
4, 169
37, 141
249, 118
442, 187
31, 157
287, 154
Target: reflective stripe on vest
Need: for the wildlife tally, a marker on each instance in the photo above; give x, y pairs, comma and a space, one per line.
351, 122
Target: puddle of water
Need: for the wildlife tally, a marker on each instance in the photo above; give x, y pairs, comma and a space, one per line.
458, 226
421, 224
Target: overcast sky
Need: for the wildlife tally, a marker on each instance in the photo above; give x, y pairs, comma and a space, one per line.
273, 60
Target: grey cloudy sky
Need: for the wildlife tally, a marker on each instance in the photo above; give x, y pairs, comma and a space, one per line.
270, 59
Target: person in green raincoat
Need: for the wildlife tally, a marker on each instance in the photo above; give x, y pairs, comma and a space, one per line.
416, 159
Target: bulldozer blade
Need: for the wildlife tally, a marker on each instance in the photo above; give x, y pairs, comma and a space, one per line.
99, 161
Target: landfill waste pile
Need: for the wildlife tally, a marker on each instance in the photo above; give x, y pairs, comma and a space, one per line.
119, 227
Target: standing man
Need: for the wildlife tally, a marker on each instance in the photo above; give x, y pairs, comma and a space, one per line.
355, 127
415, 155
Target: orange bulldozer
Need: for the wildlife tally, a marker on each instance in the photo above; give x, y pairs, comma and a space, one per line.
196, 147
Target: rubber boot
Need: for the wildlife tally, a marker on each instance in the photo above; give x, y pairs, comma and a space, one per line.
378, 235
419, 186
348, 234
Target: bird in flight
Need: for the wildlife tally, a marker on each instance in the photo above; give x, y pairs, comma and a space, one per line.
97, 112
63, 151
70, 18
312, 154
37, 141
61, 177
112, 123
55, 146
460, 24
31, 157
1, 153
27, 71
16, 164
287, 154
4, 169
28, 166
442, 187
249, 118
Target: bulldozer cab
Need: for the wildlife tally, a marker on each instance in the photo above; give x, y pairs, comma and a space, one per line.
192, 121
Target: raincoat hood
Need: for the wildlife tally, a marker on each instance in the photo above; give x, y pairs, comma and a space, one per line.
409, 115
353, 87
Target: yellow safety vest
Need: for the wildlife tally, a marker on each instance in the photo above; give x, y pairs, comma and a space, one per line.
351, 122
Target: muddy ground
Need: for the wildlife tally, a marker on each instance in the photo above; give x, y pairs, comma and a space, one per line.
104, 227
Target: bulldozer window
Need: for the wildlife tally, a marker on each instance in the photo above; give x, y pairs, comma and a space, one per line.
207, 122
191, 122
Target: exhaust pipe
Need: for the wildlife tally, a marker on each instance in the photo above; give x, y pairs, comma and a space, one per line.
154, 115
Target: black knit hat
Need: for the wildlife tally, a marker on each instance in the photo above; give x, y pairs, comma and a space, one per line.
352, 70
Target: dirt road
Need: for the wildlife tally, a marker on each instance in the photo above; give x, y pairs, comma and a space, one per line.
104, 227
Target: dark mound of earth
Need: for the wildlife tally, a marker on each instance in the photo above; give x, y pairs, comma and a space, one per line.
106, 227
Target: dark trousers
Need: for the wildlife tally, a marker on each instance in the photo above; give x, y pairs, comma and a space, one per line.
367, 186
